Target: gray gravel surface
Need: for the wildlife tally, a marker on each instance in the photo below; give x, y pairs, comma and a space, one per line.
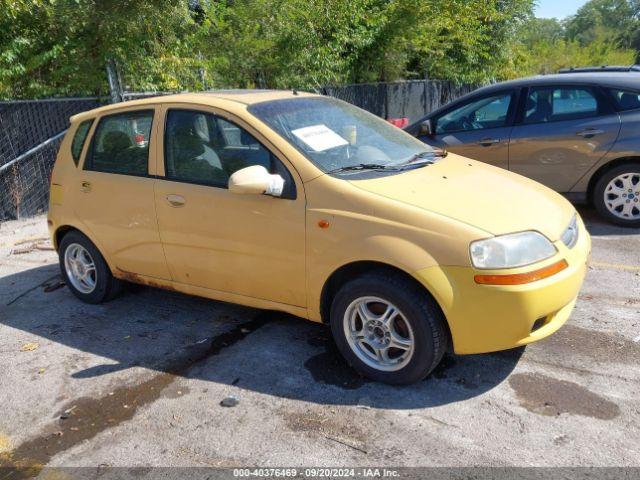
139, 381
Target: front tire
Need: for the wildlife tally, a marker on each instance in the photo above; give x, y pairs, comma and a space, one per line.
85, 271
616, 195
387, 328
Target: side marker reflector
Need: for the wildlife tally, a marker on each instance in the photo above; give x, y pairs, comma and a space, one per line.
522, 278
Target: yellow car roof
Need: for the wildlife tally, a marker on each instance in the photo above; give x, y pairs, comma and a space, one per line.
246, 97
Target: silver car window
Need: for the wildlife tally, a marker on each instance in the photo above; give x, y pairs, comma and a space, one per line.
487, 112
553, 104
626, 100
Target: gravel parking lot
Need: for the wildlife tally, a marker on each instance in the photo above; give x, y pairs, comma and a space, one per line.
139, 381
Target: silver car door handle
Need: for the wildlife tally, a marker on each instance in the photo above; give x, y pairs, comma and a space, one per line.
486, 142
176, 200
589, 132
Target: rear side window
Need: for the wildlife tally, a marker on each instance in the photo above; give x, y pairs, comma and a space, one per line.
555, 104
79, 139
626, 100
121, 144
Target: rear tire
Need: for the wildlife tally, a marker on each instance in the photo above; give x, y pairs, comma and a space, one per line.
388, 329
85, 271
616, 195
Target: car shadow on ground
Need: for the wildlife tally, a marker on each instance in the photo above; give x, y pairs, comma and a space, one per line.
266, 352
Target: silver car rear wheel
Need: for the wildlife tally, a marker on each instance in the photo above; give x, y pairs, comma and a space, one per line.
378, 333
622, 196
80, 268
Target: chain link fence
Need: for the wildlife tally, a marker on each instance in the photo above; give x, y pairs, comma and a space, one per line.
30, 135
25, 182
25, 124
31, 131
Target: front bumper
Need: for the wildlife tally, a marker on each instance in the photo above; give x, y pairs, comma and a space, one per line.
487, 318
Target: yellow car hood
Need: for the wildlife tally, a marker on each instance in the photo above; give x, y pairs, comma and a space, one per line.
489, 198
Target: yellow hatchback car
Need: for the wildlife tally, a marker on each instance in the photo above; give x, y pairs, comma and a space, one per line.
306, 204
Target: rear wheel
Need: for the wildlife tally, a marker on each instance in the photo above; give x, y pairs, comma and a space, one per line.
616, 195
387, 328
85, 271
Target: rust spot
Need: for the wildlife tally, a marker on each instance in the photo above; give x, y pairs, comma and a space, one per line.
135, 278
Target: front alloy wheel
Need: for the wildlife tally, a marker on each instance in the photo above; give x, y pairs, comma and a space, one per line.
378, 333
388, 327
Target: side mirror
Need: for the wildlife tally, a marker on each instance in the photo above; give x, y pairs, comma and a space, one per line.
256, 180
426, 129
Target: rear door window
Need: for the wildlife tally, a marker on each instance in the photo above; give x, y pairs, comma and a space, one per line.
626, 100
121, 144
79, 138
555, 104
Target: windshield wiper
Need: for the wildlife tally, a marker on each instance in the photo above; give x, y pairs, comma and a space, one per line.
363, 166
423, 158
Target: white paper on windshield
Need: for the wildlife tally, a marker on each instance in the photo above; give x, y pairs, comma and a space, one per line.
319, 137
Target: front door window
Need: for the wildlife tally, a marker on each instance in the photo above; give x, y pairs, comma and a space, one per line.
484, 113
206, 149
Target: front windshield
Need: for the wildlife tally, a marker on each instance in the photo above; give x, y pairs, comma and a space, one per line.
334, 134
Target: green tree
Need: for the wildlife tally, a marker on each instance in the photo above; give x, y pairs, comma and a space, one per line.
616, 21
587, 39
62, 46
537, 30
296, 43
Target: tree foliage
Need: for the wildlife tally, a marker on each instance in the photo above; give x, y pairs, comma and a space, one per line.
601, 33
61, 47
616, 21
307, 44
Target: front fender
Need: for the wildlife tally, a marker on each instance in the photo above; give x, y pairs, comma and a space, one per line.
395, 252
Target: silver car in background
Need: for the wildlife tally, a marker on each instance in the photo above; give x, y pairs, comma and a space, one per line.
578, 132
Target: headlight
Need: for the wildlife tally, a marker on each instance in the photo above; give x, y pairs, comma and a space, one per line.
510, 251
570, 235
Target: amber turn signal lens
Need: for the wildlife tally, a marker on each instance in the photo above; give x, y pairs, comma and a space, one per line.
522, 278
323, 224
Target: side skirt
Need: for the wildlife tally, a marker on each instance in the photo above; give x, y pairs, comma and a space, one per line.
211, 294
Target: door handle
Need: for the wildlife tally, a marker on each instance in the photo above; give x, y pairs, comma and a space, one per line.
487, 142
589, 132
176, 200
85, 187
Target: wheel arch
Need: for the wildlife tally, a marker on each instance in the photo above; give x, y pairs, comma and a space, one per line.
60, 232
346, 272
63, 230
604, 169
